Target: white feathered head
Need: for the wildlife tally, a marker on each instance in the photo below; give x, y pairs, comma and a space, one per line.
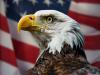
59, 26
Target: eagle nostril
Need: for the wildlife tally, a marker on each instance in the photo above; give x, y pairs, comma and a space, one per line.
31, 18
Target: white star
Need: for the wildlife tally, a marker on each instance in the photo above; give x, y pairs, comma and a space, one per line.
61, 2
33, 1
23, 14
16, 1
47, 2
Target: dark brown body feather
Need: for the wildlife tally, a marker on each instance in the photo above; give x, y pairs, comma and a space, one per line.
63, 63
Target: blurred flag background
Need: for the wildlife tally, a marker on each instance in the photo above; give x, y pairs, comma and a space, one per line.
19, 51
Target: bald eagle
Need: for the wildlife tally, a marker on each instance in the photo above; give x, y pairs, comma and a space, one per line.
63, 43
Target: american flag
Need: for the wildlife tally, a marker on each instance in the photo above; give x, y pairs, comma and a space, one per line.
19, 51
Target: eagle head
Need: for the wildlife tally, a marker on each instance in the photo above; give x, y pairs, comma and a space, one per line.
61, 28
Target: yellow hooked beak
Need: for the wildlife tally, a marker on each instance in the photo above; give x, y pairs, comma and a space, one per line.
28, 23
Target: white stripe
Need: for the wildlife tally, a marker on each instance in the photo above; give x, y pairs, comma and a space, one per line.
88, 30
93, 56
2, 7
7, 69
5, 40
24, 66
23, 36
86, 8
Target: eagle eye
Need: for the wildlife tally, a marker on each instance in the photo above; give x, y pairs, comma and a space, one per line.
49, 19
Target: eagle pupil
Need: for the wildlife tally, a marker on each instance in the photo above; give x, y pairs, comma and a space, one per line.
49, 19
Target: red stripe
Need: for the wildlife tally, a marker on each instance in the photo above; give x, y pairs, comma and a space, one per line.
3, 23
88, 1
7, 55
26, 52
92, 42
97, 64
88, 20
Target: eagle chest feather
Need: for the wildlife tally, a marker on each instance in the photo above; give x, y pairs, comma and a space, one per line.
61, 63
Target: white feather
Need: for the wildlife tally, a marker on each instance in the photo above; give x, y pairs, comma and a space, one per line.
61, 32
64, 36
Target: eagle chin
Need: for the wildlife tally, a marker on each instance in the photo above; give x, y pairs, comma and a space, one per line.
62, 39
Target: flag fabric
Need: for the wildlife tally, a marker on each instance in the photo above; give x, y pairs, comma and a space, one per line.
87, 13
19, 51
